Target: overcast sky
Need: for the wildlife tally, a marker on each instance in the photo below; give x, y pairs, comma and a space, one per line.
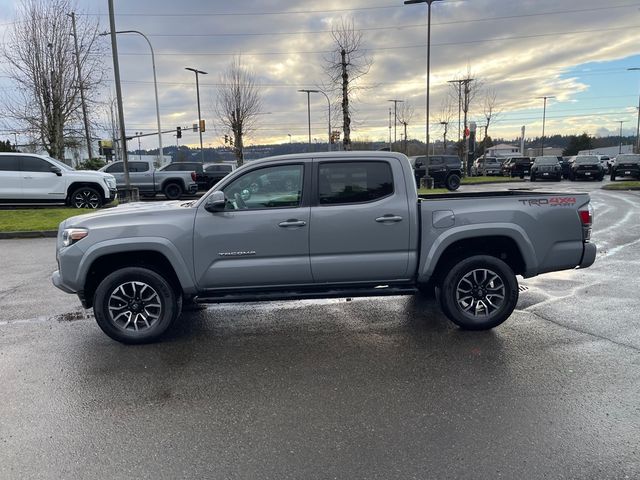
577, 51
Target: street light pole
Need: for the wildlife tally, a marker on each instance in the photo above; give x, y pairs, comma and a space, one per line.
544, 116
155, 86
328, 112
199, 117
428, 2
638, 126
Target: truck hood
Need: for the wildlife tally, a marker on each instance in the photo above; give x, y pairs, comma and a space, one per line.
91, 173
126, 213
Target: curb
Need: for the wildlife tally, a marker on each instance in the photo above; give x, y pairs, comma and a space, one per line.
33, 234
492, 183
626, 189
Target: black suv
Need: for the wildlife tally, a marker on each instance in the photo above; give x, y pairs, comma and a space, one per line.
626, 165
516, 167
446, 170
546, 168
207, 175
587, 167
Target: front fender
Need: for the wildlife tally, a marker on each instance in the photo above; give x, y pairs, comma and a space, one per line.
122, 245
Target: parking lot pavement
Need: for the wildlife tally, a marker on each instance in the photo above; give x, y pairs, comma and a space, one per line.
371, 388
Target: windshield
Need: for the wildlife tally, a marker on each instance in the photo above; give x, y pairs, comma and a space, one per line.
628, 159
546, 161
587, 159
60, 164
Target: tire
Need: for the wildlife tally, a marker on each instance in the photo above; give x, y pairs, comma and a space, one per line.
613, 176
452, 182
172, 191
533, 177
140, 293
572, 177
85, 197
522, 176
559, 178
600, 178
492, 278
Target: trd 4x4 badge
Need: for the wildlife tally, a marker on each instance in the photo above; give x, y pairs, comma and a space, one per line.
553, 201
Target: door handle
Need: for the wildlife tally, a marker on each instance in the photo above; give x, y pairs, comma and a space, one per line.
27, 178
389, 218
292, 223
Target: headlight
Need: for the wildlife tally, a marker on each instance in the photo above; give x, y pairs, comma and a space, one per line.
72, 235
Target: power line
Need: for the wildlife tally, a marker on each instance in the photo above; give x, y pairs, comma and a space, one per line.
400, 47
397, 27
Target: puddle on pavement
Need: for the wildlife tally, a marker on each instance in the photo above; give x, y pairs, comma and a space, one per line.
73, 316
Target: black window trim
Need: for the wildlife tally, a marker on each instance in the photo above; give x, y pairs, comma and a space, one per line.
316, 174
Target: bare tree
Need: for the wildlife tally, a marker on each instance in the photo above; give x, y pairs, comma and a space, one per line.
346, 63
404, 116
40, 58
490, 110
445, 116
238, 104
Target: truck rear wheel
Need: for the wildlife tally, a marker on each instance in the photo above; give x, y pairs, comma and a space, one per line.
172, 191
478, 293
452, 182
135, 305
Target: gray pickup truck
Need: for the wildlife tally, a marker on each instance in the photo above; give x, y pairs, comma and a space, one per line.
342, 224
150, 181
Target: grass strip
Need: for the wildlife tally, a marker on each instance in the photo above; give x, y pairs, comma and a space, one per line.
628, 185
36, 219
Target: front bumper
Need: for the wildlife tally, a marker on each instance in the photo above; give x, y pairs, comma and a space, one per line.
56, 279
588, 173
588, 255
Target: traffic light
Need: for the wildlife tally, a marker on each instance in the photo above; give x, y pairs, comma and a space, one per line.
178, 132
202, 126
226, 139
100, 151
231, 141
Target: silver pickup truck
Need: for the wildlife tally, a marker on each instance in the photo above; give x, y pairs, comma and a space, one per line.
149, 181
342, 224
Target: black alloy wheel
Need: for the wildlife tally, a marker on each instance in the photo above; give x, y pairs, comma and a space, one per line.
85, 197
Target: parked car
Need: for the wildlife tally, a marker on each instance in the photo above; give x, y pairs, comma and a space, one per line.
207, 174
516, 167
546, 168
446, 170
149, 181
486, 166
26, 177
352, 226
587, 167
626, 165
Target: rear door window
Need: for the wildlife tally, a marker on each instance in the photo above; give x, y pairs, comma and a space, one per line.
138, 167
353, 182
34, 164
116, 168
9, 163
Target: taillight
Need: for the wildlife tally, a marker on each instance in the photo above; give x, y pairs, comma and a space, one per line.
586, 218
193, 176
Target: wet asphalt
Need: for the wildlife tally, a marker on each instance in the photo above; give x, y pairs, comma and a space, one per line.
370, 388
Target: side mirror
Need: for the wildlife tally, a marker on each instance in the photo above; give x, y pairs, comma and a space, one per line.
215, 202
57, 171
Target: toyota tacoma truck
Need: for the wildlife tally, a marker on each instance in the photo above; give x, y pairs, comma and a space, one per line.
349, 224
149, 181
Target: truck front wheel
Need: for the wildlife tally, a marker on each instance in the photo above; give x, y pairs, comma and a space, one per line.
172, 191
135, 305
478, 293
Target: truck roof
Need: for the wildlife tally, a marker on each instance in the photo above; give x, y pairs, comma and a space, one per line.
338, 155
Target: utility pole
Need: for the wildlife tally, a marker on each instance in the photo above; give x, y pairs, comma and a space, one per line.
459, 90
196, 71
406, 152
395, 119
81, 85
544, 116
638, 127
389, 129
620, 147
466, 82
116, 74
308, 92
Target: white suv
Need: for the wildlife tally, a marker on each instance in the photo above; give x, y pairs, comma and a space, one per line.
26, 177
